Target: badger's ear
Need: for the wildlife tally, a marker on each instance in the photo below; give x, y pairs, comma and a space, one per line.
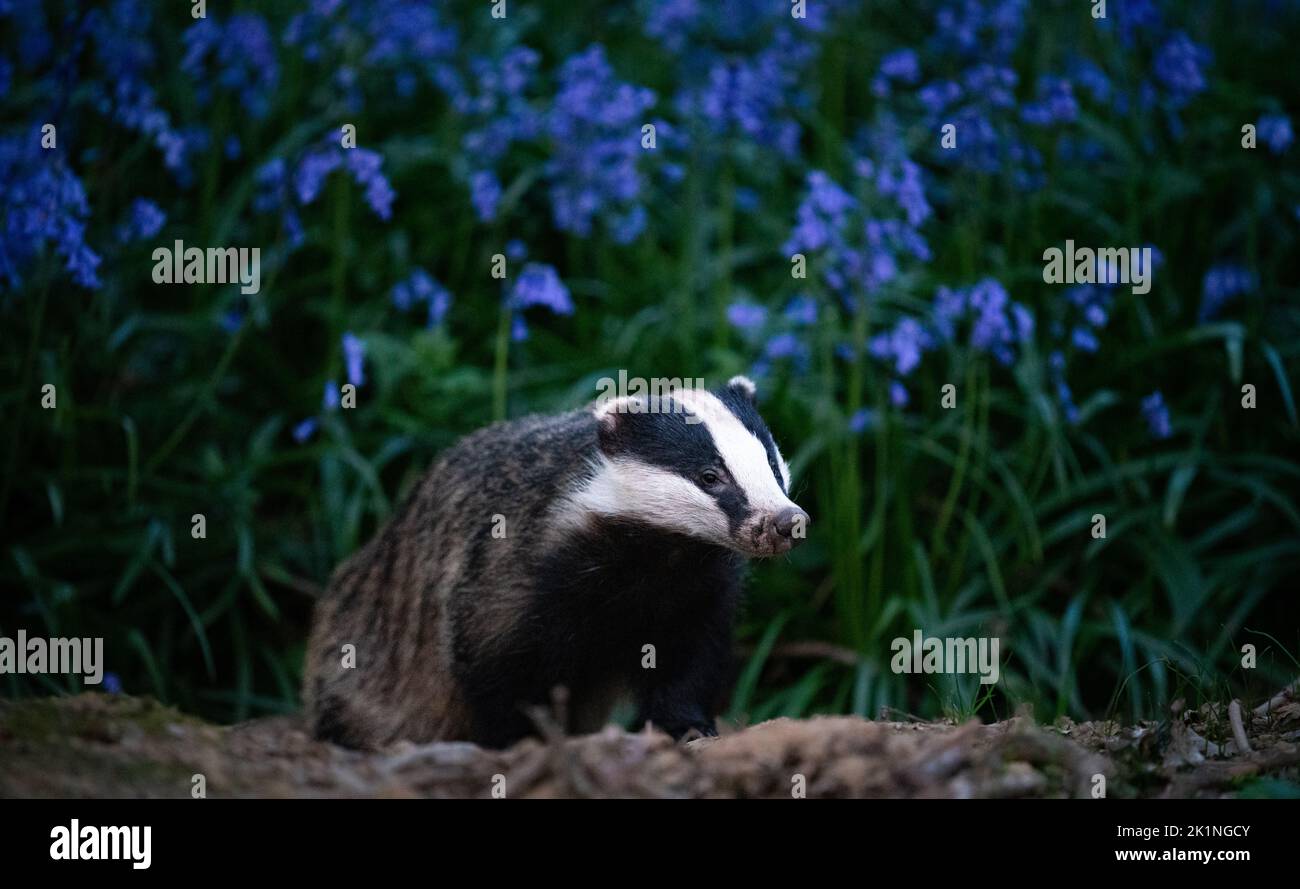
612, 421
744, 386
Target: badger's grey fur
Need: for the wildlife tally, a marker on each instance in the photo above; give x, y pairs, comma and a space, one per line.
548, 552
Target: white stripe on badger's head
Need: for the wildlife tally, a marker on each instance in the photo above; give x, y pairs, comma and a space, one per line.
701, 464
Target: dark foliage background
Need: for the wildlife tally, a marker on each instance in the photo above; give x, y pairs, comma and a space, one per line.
774, 135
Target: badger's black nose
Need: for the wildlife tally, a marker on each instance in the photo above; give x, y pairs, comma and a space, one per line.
791, 522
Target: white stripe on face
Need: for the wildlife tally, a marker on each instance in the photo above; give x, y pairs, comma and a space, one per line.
744, 454
638, 491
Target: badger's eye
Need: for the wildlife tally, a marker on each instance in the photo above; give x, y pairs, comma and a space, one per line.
709, 478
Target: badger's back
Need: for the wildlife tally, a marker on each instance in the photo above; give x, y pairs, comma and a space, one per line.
454, 566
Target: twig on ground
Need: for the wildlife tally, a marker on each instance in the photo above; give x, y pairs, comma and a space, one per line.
1238, 730
1277, 700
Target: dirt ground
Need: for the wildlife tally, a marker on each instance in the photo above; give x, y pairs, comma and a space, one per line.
118, 746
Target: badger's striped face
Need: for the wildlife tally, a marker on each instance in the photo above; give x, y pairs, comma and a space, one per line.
704, 465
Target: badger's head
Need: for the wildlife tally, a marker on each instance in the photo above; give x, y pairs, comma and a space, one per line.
698, 463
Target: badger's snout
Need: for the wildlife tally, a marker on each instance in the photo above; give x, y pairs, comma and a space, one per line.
780, 531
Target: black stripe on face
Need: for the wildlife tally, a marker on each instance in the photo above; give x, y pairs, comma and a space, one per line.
665, 440
743, 409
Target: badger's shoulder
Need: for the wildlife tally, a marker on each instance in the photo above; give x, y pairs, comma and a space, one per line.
538, 445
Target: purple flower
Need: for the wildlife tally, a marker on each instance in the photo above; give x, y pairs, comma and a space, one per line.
421, 287
354, 357
238, 57
1156, 413
904, 345
44, 206
1180, 67
1222, 284
786, 345
594, 126
862, 420
540, 285
746, 316
801, 309
901, 65
330, 396
1055, 104
365, 167
144, 220
362, 164
485, 194
898, 395
751, 97
1275, 131
305, 430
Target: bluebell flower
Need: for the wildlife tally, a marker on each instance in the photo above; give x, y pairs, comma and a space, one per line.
44, 206
305, 430
518, 329
1180, 67
112, 683
1131, 18
421, 287
1064, 397
329, 399
1156, 413
354, 357
862, 420
802, 309
900, 66
485, 194
898, 395
594, 126
1084, 340
1274, 130
1222, 284
238, 57
787, 346
364, 165
540, 285
904, 345
144, 220
746, 315
1055, 104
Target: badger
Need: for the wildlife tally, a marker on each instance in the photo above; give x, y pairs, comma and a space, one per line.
549, 553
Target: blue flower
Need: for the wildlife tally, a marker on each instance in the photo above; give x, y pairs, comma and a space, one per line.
898, 395
904, 345
1222, 284
746, 315
485, 194
1156, 413
1180, 66
801, 309
144, 220
362, 164
330, 396
540, 285
594, 126
238, 57
112, 684
421, 287
1055, 104
305, 430
44, 205
862, 420
1275, 132
354, 357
